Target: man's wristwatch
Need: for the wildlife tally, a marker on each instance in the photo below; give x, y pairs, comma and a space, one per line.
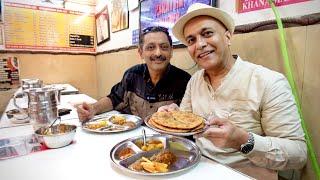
248, 146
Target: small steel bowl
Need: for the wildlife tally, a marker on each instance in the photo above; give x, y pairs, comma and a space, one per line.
57, 136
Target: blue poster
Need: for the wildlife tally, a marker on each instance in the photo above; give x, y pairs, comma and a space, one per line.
165, 12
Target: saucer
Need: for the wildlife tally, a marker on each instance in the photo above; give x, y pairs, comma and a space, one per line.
20, 121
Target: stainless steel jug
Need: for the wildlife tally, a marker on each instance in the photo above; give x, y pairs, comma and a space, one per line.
42, 105
58, 91
31, 83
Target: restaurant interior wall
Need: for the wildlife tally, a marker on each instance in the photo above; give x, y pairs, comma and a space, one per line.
77, 70
122, 38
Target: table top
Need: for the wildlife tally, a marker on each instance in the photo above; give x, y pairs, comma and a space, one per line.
68, 89
67, 101
88, 157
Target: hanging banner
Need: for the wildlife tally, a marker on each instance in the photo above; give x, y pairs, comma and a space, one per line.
43, 28
253, 5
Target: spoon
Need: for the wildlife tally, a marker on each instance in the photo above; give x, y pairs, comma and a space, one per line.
48, 128
144, 137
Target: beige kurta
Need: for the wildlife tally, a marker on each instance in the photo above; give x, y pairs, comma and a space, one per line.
258, 100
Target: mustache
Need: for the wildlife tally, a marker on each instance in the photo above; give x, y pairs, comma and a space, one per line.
159, 58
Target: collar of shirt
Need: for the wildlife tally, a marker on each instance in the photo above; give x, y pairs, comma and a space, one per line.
146, 76
230, 73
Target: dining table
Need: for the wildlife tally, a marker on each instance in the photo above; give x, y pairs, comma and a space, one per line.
88, 156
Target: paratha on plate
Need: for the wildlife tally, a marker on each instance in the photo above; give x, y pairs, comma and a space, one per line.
151, 122
177, 120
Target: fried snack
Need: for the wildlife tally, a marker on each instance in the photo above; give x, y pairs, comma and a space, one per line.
136, 166
154, 167
96, 125
120, 120
130, 124
158, 163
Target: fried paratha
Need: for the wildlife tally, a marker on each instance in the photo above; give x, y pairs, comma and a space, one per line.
177, 120
201, 126
151, 122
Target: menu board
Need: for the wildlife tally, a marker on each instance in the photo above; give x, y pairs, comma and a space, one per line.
42, 28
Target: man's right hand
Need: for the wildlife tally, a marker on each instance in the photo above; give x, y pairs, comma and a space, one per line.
168, 108
85, 112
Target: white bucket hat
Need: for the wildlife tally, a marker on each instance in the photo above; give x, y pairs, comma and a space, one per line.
198, 9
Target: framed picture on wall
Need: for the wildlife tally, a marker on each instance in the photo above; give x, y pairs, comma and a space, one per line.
102, 23
1, 35
165, 12
1, 9
119, 15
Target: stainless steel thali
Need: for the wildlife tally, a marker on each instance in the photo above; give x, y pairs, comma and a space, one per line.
171, 133
186, 152
108, 127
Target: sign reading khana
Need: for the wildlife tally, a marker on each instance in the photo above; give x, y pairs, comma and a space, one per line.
243, 6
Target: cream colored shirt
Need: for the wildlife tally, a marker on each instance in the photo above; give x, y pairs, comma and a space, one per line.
258, 100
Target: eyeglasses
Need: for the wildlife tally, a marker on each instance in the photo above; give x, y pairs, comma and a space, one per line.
154, 29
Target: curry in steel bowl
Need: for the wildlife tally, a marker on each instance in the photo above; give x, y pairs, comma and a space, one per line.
57, 136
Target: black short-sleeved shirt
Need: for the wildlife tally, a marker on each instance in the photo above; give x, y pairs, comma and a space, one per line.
136, 94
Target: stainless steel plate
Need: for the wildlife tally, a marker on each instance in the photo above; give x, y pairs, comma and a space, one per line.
171, 133
187, 153
12, 112
110, 127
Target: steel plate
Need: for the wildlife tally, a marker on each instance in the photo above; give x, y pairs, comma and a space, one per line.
113, 128
187, 153
171, 133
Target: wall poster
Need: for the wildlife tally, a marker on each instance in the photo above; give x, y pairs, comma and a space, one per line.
165, 12
119, 15
102, 23
9, 73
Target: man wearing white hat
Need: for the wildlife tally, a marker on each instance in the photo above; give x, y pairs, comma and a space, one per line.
254, 125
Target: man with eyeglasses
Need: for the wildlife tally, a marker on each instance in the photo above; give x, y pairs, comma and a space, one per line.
144, 87
253, 122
